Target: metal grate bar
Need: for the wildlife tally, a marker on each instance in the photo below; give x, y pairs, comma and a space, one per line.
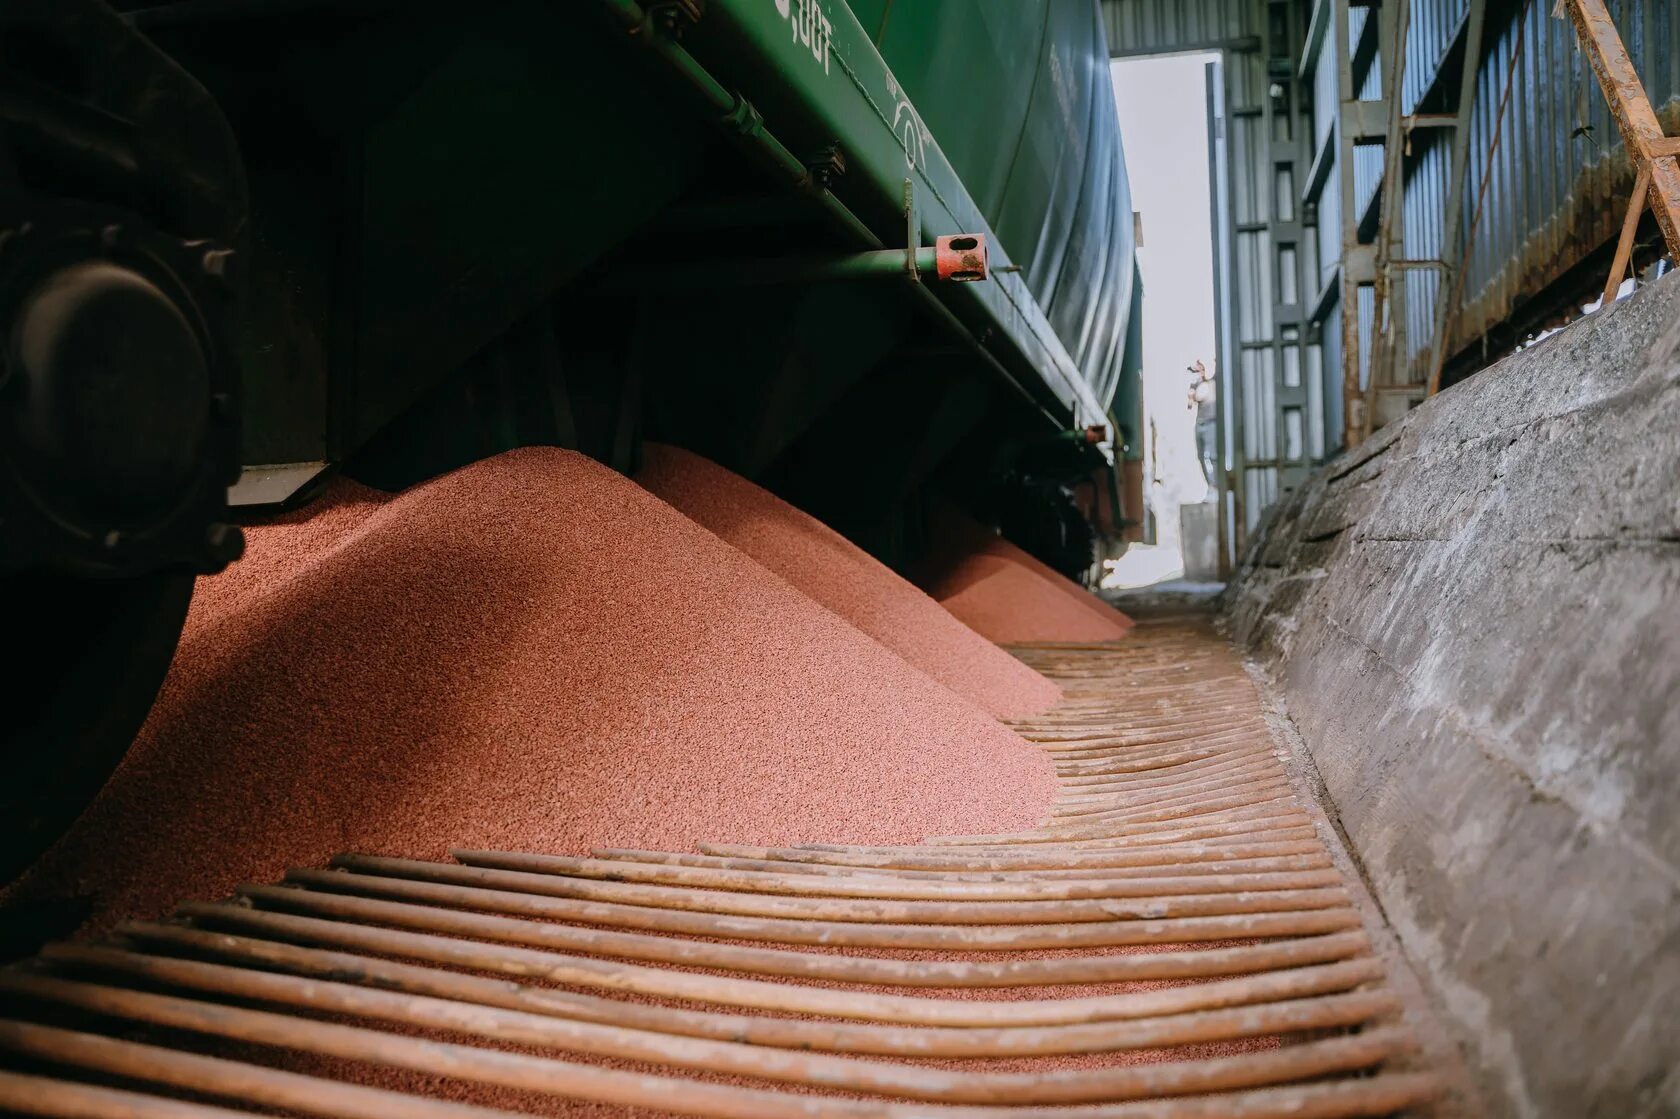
708, 983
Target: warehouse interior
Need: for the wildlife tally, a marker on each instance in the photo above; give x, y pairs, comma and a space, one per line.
840, 559
1493, 223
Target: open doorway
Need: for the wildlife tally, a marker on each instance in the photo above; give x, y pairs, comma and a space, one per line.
1162, 103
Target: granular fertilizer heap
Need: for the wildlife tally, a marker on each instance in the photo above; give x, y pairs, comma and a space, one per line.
1007, 595
846, 579
532, 652
285, 544
1176, 940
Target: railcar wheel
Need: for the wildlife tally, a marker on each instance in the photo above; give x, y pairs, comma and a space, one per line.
89, 658
1044, 519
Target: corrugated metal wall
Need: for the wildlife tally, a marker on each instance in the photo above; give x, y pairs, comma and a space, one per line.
1555, 191
1368, 158
1435, 26
1560, 179
1557, 184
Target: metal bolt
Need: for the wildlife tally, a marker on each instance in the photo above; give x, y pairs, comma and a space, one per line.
826, 166
673, 17
743, 117
215, 263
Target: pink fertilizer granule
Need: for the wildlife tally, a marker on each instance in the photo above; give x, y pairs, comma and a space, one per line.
1006, 595
846, 579
530, 653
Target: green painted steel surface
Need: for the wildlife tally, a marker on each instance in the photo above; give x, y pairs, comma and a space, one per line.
1019, 96
463, 180
443, 182
1000, 113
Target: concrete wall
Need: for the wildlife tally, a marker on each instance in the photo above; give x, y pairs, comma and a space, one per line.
1475, 622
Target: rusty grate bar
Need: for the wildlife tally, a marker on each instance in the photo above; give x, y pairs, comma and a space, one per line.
706, 983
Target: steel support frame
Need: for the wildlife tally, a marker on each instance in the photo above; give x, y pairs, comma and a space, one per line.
1358, 266
1452, 278
1388, 323
1288, 157
1380, 262
1651, 152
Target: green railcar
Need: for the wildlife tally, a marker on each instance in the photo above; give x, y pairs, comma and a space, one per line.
864, 254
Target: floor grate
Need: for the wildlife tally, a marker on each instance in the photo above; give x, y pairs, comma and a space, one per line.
1173, 941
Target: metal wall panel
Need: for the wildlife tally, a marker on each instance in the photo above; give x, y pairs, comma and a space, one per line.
1425, 202
1260, 486
1555, 191
1329, 199
1254, 315
1367, 174
1323, 94
1259, 404
1315, 363
1330, 345
1356, 21
1367, 319
1435, 26
1245, 82
1367, 158
1560, 179
1357, 15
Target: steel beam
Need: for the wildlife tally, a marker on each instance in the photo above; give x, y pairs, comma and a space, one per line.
1624, 245
1452, 279
1346, 95
1646, 144
1389, 317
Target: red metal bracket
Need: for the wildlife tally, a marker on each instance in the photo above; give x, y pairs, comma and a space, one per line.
961, 257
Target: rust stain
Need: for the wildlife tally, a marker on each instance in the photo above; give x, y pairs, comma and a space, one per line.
1588, 220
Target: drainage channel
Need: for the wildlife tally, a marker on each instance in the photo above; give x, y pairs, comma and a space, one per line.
1173, 941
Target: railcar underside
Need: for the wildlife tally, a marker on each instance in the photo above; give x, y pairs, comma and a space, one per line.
259, 244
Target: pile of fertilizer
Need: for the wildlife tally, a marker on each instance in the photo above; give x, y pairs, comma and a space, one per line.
533, 653
1006, 595
846, 579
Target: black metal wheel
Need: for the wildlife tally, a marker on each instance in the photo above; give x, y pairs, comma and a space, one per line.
1044, 519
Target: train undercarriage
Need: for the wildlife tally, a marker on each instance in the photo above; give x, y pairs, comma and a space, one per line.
251, 247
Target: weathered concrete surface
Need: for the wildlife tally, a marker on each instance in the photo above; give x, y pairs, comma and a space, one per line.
1475, 620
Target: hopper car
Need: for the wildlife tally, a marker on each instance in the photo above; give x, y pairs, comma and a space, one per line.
865, 253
